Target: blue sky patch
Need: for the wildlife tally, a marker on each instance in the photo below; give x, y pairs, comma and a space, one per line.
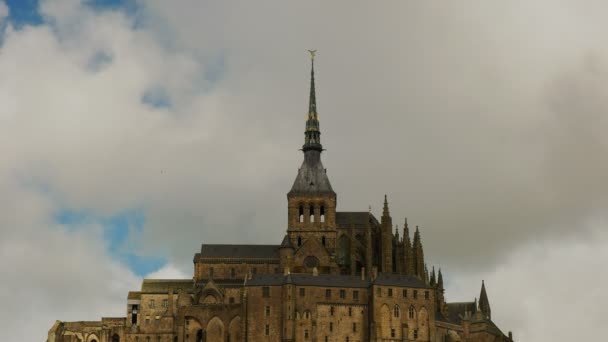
156, 97
116, 230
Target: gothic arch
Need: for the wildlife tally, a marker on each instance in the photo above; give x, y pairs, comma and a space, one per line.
92, 338
115, 338
234, 330
215, 330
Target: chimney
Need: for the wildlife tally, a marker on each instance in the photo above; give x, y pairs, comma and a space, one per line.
362, 273
315, 272
510, 336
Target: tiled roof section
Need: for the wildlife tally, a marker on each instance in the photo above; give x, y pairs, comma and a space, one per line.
134, 295
343, 219
400, 280
456, 312
164, 285
312, 177
302, 279
240, 251
286, 242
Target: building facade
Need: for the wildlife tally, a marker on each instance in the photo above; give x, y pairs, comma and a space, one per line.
335, 277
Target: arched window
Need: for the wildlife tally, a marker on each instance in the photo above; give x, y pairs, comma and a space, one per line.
396, 311
322, 213
412, 312
301, 213
323, 240
312, 213
115, 338
299, 241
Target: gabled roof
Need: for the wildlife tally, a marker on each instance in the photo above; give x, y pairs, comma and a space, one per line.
343, 219
240, 251
164, 285
400, 280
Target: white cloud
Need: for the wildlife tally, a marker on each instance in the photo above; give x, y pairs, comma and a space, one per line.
462, 113
546, 290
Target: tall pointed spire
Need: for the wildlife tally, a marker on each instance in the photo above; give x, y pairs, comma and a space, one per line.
407, 246
418, 255
312, 135
385, 212
484, 303
433, 280
440, 280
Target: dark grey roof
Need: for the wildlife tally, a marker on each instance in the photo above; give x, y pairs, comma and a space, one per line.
240, 251
456, 312
343, 219
303, 279
400, 280
312, 176
164, 285
286, 242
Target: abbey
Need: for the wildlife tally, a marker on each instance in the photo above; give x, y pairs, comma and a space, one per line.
335, 277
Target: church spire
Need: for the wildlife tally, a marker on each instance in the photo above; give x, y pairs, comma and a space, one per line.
312, 135
484, 303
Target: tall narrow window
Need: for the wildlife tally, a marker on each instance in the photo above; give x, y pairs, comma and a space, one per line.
415, 334
331, 326
267, 330
426, 295
306, 334
396, 311
412, 312
390, 292
267, 311
415, 294
312, 214
328, 293
232, 273
331, 310
404, 293
299, 241
322, 213
350, 311
354, 327
323, 240
134, 311
342, 294
165, 303
266, 291
302, 292
356, 295
392, 333
301, 214
211, 272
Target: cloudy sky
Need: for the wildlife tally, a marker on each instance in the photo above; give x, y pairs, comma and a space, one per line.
133, 131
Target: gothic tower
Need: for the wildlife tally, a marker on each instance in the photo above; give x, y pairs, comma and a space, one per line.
311, 200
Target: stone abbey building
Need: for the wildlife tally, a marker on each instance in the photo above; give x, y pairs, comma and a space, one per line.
335, 277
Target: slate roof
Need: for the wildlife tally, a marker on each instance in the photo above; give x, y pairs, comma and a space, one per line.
164, 285
334, 280
456, 312
134, 295
312, 176
303, 279
400, 280
240, 251
343, 219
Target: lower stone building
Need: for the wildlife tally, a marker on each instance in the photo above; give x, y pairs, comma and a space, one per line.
336, 277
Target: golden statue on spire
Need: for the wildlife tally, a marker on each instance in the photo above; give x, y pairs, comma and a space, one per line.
312, 54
